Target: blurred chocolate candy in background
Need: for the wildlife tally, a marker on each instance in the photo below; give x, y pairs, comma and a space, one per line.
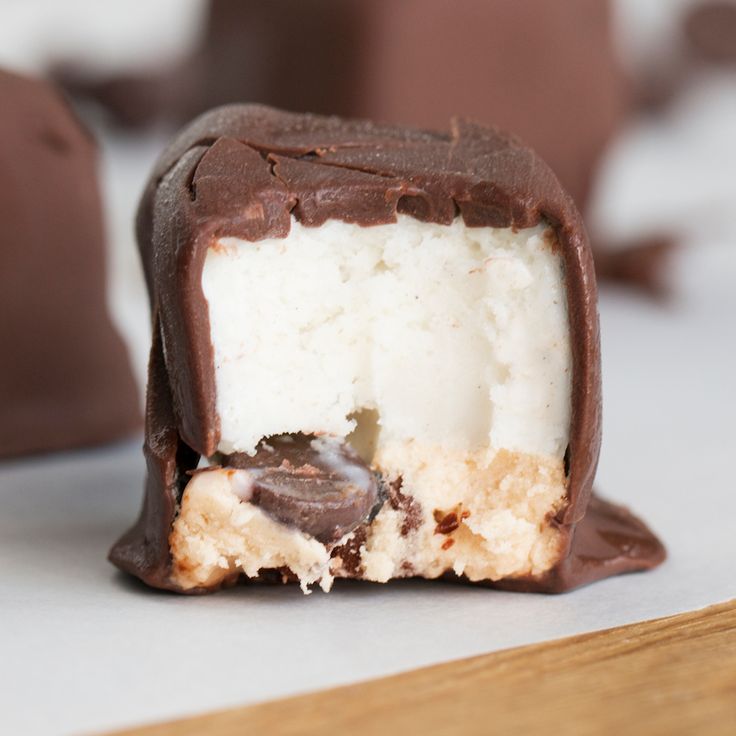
65, 378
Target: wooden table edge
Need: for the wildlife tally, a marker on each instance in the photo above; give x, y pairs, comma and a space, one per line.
672, 675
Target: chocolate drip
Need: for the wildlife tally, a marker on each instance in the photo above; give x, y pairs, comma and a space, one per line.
143, 550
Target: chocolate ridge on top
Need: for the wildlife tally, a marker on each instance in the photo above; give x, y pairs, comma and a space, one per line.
244, 170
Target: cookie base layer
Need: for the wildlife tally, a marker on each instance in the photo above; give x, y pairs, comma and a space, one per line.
484, 515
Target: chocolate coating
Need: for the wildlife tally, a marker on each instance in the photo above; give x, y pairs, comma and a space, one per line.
143, 550
65, 378
319, 486
414, 62
710, 29
244, 170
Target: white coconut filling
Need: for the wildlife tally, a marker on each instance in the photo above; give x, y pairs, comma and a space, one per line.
441, 352
457, 336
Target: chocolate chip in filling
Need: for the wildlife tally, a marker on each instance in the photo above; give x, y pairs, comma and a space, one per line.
319, 485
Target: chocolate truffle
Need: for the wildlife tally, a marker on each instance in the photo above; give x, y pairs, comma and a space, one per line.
65, 379
397, 331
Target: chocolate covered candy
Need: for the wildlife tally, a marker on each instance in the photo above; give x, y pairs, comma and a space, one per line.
427, 299
65, 379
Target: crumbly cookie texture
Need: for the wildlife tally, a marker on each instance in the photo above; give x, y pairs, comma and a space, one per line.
219, 533
482, 515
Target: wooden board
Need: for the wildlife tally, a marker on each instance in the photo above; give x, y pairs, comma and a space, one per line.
670, 676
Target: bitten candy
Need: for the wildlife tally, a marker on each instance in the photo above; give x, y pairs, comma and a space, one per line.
426, 299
